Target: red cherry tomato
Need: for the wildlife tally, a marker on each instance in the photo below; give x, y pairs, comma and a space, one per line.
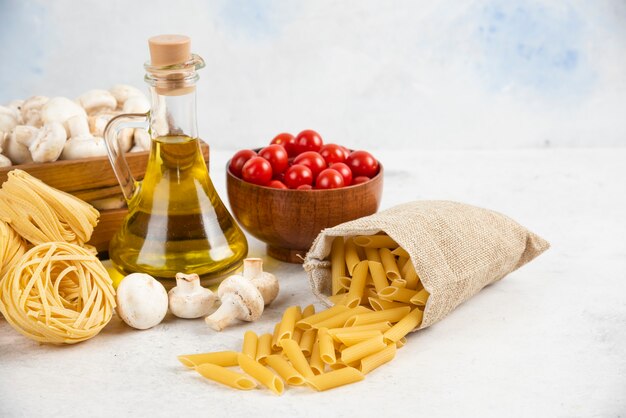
276, 184
277, 156
286, 140
333, 153
362, 163
298, 175
308, 140
329, 179
257, 170
313, 160
346, 151
360, 179
304, 187
239, 159
345, 172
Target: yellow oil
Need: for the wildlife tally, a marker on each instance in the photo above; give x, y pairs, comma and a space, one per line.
176, 222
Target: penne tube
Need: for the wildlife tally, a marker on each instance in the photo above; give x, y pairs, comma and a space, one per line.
307, 323
352, 338
307, 341
285, 370
362, 349
401, 283
275, 345
401, 342
379, 277
337, 263
397, 294
340, 319
420, 298
372, 254
339, 299
219, 358
292, 350
288, 322
335, 378
226, 377
407, 324
357, 285
264, 347
401, 252
377, 326
338, 365
375, 241
380, 305
344, 283
369, 281
326, 346
389, 264
373, 361
308, 311
261, 373
250, 342
297, 335
352, 256
391, 315
316, 362
409, 274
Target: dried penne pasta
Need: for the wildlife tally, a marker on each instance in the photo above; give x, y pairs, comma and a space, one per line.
401, 252
409, 274
285, 370
292, 350
307, 341
379, 277
372, 254
404, 326
400, 283
380, 305
344, 283
362, 349
357, 285
351, 254
326, 346
261, 373
352, 338
401, 261
397, 294
391, 315
340, 319
308, 311
335, 378
250, 341
377, 359
401, 342
377, 326
375, 241
338, 263
226, 377
316, 362
297, 332
292, 315
264, 347
389, 264
420, 298
307, 323
275, 345
339, 299
219, 358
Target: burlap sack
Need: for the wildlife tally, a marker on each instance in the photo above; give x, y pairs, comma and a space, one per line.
457, 249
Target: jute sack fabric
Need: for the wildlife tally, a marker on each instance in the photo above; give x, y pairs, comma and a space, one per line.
456, 249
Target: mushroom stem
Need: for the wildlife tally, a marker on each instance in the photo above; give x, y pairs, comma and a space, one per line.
227, 312
187, 283
252, 268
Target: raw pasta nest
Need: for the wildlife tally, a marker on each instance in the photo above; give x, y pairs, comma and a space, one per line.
57, 293
12, 247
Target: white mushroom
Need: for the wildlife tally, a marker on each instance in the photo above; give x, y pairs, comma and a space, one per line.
189, 299
136, 104
14, 147
8, 120
16, 107
81, 143
142, 140
31, 110
46, 145
141, 301
97, 123
97, 101
4, 161
265, 282
122, 92
108, 203
240, 300
61, 109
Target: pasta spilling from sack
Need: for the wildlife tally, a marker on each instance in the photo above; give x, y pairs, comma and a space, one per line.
57, 293
12, 247
40, 213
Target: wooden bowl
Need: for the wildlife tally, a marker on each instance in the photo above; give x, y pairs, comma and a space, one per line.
289, 220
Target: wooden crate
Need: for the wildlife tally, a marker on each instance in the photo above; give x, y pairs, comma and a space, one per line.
91, 179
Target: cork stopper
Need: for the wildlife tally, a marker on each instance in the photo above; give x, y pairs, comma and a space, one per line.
168, 50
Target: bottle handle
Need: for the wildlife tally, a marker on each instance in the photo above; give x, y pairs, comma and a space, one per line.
118, 160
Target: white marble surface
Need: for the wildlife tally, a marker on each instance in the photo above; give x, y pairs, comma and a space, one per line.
548, 341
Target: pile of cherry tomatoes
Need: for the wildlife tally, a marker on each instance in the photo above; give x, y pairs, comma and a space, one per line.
303, 162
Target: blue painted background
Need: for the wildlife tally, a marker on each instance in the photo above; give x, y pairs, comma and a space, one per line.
485, 73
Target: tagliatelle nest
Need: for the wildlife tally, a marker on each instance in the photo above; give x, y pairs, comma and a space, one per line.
57, 293
12, 247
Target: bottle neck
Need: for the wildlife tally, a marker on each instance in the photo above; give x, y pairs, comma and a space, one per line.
173, 114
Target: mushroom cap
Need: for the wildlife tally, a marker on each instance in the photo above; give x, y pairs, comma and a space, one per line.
189, 299
14, 148
4, 161
8, 119
31, 110
136, 104
141, 301
123, 92
97, 100
268, 285
60, 109
48, 143
242, 291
